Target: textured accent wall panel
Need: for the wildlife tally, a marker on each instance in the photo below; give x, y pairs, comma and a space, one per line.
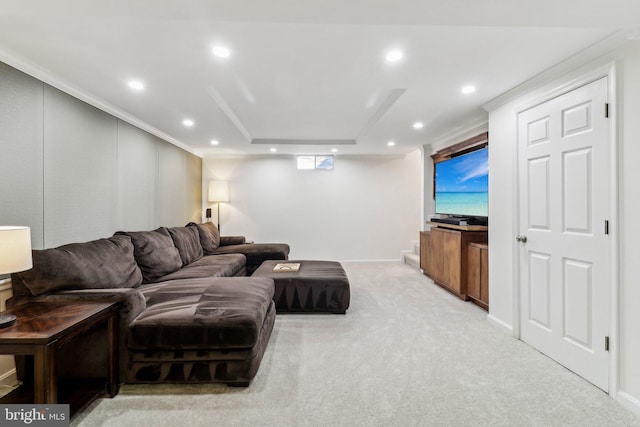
79, 170
172, 178
193, 202
21, 173
137, 178
74, 173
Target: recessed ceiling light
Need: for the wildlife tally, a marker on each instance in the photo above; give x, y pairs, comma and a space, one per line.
221, 52
273, 149
468, 89
334, 150
188, 123
136, 85
394, 56
215, 142
418, 125
391, 144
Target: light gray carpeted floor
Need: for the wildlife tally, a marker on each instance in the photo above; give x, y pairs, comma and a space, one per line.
407, 353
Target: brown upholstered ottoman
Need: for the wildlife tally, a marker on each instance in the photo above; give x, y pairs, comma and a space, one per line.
318, 286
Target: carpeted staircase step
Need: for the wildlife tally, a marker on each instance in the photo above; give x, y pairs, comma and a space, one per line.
412, 259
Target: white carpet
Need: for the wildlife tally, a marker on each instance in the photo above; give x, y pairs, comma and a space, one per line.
407, 353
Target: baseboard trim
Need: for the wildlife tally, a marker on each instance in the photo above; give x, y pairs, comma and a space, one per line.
9, 378
502, 325
628, 401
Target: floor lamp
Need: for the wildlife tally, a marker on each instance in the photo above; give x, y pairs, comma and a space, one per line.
218, 192
15, 256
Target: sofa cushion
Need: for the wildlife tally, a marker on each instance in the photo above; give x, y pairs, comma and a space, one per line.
187, 240
211, 266
103, 263
154, 252
209, 236
215, 313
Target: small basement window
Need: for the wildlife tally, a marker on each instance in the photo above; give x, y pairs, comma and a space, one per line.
309, 162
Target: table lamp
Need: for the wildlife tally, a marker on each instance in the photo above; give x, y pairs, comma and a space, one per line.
15, 256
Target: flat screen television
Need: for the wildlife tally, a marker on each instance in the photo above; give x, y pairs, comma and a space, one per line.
462, 185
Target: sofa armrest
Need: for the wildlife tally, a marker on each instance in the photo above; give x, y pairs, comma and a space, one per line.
256, 253
232, 240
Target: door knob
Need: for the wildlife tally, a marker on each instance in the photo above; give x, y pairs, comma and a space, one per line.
522, 239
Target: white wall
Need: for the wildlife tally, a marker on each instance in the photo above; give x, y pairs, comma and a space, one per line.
367, 208
503, 199
629, 231
502, 221
428, 201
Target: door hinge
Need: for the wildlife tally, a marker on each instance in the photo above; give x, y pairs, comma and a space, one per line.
606, 343
606, 110
606, 226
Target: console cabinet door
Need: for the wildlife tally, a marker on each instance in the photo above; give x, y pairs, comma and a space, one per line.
478, 273
436, 256
425, 241
484, 276
446, 260
475, 272
451, 242
444, 257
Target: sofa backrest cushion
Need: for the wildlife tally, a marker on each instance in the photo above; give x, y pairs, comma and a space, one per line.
99, 264
187, 240
155, 253
209, 236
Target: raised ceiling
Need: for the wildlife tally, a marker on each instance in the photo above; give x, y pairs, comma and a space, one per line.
302, 76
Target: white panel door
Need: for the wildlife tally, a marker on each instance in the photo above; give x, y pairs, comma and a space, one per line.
563, 163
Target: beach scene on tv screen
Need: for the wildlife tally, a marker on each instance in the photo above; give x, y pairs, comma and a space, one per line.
462, 184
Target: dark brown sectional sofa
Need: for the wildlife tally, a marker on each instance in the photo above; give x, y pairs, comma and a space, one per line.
189, 313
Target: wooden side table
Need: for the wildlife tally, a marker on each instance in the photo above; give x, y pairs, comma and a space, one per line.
44, 327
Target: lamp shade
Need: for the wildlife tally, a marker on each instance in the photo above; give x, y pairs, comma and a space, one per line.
218, 191
15, 249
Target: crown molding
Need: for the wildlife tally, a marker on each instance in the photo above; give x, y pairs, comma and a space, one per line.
467, 132
581, 58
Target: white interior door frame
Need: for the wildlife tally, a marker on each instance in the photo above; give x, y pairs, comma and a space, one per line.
609, 71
